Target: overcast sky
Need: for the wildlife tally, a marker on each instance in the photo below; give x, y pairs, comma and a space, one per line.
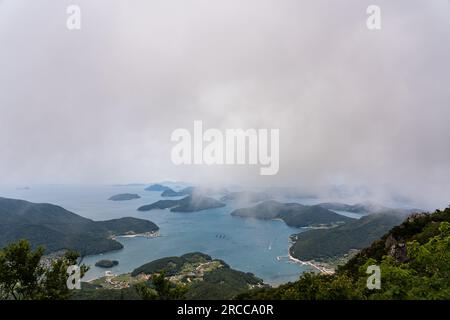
354, 107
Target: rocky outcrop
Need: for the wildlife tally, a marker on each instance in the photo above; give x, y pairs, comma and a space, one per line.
396, 249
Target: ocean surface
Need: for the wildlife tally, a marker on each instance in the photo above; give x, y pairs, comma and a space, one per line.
249, 245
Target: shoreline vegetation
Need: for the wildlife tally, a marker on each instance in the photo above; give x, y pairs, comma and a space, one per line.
323, 267
334, 243
149, 234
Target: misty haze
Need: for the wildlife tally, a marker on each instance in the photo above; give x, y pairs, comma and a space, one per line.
342, 134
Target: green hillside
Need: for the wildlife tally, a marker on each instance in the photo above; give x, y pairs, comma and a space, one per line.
414, 259
124, 197
55, 228
293, 214
322, 244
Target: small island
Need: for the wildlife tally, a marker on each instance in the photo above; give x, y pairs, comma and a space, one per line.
157, 187
187, 204
172, 193
106, 263
124, 197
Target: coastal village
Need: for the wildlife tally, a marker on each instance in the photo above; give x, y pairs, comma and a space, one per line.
189, 273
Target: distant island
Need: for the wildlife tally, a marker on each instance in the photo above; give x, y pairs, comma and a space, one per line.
196, 191
363, 208
187, 204
56, 228
106, 263
124, 197
293, 214
246, 196
172, 193
156, 187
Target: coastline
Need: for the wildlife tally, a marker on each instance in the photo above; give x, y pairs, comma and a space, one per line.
151, 234
311, 264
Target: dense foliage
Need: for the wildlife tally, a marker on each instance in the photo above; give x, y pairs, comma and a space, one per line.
24, 277
414, 259
322, 244
156, 187
171, 265
124, 197
159, 288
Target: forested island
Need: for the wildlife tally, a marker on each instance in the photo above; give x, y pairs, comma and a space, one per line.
156, 187
57, 228
171, 193
187, 204
124, 197
106, 263
293, 214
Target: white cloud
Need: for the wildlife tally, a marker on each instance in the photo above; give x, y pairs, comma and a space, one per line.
353, 106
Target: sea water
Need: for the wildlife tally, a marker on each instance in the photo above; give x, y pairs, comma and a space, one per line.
249, 245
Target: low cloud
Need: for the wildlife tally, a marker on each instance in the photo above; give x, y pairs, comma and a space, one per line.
354, 107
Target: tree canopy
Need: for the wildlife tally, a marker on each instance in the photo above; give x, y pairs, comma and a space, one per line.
23, 276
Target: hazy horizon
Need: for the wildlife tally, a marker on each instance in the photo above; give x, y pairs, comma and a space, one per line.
365, 110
